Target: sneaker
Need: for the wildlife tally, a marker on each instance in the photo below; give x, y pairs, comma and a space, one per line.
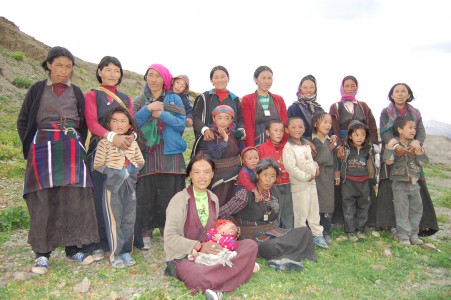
352, 237
213, 295
328, 239
285, 264
81, 258
147, 243
256, 268
360, 235
320, 242
41, 265
98, 254
415, 240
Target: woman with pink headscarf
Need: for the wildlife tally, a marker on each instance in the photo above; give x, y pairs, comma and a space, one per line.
161, 117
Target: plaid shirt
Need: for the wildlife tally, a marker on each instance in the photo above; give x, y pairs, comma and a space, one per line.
235, 205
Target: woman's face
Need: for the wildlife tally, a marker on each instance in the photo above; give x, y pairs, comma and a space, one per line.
400, 95
266, 179
308, 88
349, 87
60, 69
154, 80
110, 74
264, 81
220, 80
201, 175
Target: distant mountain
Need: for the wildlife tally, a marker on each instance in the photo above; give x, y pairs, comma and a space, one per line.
437, 128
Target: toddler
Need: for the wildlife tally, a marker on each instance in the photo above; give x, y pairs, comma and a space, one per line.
246, 177
180, 86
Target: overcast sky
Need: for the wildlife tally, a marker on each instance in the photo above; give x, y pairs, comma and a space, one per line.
380, 42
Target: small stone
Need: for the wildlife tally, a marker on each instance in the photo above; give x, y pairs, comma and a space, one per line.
341, 238
379, 268
61, 285
113, 296
83, 286
19, 276
388, 253
376, 234
379, 282
429, 246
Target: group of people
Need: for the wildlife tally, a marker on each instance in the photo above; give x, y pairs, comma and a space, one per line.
103, 172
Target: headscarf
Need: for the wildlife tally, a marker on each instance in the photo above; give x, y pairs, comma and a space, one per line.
223, 109
309, 102
164, 72
184, 78
345, 97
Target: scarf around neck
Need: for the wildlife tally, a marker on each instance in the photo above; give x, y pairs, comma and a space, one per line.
350, 98
393, 113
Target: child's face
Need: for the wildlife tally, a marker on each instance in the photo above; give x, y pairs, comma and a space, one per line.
408, 131
324, 125
349, 87
223, 120
179, 86
228, 228
250, 159
295, 129
275, 133
119, 123
358, 137
400, 95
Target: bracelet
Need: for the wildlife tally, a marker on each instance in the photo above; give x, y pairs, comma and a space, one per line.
110, 136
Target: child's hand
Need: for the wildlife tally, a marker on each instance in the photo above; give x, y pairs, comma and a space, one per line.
415, 144
340, 152
189, 122
258, 197
217, 237
223, 134
317, 172
337, 181
333, 142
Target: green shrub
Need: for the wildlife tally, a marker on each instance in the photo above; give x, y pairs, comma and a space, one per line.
18, 55
22, 82
14, 217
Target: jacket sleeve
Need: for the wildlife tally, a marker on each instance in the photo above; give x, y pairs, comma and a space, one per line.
24, 113
239, 118
248, 119
371, 122
198, 112
101, 152
387, 135
333, 112
283, 114
421, 131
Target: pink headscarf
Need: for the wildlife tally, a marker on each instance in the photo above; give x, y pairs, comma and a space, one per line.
350, 98
164, 72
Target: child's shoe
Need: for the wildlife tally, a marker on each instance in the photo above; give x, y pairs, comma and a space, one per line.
98, 254
81, 258
352, 237
128, 259
328, 238
320, 242
360, 235
41, 265
415, 240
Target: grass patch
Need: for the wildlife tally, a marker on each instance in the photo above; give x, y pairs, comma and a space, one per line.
22, 82
13, 218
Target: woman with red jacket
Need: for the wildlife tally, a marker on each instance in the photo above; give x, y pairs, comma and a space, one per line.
261, 107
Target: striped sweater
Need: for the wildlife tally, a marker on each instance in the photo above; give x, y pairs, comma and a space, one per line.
109, 155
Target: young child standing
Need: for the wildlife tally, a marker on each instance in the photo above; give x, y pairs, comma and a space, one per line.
273, 148
328, 174
297, 159
180, 86
357, 172
224, 149
246, 177
119, 198
404, 172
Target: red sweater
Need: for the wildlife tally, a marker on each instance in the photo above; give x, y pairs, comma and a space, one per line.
91, 110
248, 108
268, 149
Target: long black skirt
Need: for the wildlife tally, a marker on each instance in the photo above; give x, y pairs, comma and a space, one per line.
61, 217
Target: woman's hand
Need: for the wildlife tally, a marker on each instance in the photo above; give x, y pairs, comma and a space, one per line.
333, 142
156, 105
210, 248
123, 141
208, 135
314, 152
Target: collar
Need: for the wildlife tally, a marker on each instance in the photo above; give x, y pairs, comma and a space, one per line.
322, 140
50, 82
